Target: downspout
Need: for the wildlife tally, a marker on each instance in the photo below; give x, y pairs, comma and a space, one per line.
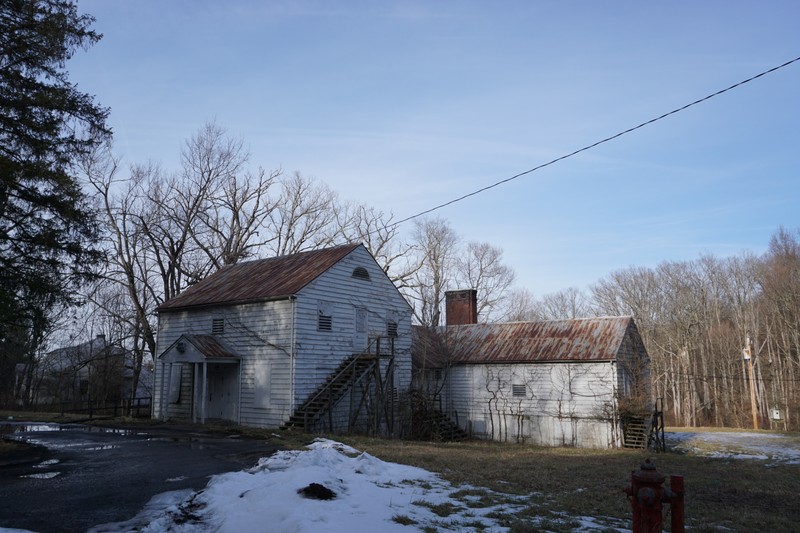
205, 393
292, 355
616, 425
155, 377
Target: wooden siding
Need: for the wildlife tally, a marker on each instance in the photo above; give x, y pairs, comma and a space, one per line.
633, 369
320, 352
564, 404
259, 333
262, 334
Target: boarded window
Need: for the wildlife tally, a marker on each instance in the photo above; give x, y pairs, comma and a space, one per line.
361, 273
217, 326
361, 320
518, 391
477, 426
324, 316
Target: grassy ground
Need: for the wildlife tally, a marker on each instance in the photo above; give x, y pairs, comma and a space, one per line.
721, 494
560, 483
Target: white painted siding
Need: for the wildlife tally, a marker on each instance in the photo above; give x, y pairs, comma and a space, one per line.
259, 333
320, 352
267, 335
564, 404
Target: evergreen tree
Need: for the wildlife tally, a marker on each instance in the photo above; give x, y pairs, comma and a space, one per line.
47, 228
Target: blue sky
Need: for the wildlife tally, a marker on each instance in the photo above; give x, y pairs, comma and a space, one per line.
406, 105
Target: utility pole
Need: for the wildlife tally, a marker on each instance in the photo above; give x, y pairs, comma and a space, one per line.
747, 354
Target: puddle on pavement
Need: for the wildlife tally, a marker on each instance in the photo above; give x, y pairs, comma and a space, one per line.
111, 431
42, 475
11, 428
194, 443
102, 447
49, 462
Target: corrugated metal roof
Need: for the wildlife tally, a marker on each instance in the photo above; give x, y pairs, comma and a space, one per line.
586, 339
210, 347
259, 280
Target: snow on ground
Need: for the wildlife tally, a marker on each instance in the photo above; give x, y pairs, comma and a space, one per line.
774, 448
370, 495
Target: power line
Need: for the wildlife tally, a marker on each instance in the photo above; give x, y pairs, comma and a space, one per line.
590, 146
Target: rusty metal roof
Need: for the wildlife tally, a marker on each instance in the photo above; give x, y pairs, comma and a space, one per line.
265, 279
585, 339
210, 347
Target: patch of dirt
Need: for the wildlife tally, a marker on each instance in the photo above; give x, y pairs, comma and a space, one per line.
316, 491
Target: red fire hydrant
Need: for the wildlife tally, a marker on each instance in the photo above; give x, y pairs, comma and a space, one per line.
647, 496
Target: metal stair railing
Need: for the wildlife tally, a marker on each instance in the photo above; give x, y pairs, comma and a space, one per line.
339, 378
337, 384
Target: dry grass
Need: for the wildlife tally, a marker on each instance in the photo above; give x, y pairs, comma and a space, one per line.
735, 495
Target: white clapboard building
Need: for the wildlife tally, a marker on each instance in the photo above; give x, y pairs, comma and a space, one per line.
319, 340
581, 382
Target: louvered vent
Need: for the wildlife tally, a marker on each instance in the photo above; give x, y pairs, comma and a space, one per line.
217, 326
324, 316
361, 273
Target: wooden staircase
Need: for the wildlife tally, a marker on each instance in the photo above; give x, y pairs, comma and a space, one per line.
442, 428
349, 373
645, 431
634, 432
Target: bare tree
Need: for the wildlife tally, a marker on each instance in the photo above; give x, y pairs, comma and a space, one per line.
234, 227
440, 263
480, 266
131, 267
358, 222
567, 304
304, 217
436, 252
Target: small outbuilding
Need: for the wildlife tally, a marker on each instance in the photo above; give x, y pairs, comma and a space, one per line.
319, 339
582, 382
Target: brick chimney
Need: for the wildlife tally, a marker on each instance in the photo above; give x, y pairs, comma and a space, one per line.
461, 307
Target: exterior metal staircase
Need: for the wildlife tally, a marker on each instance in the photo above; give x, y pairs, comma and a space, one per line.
655, 437
371, 394
349, 373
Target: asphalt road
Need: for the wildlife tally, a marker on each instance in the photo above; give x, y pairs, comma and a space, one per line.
83, 476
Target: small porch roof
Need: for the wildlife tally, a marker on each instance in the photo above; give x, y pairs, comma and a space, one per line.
198, 349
